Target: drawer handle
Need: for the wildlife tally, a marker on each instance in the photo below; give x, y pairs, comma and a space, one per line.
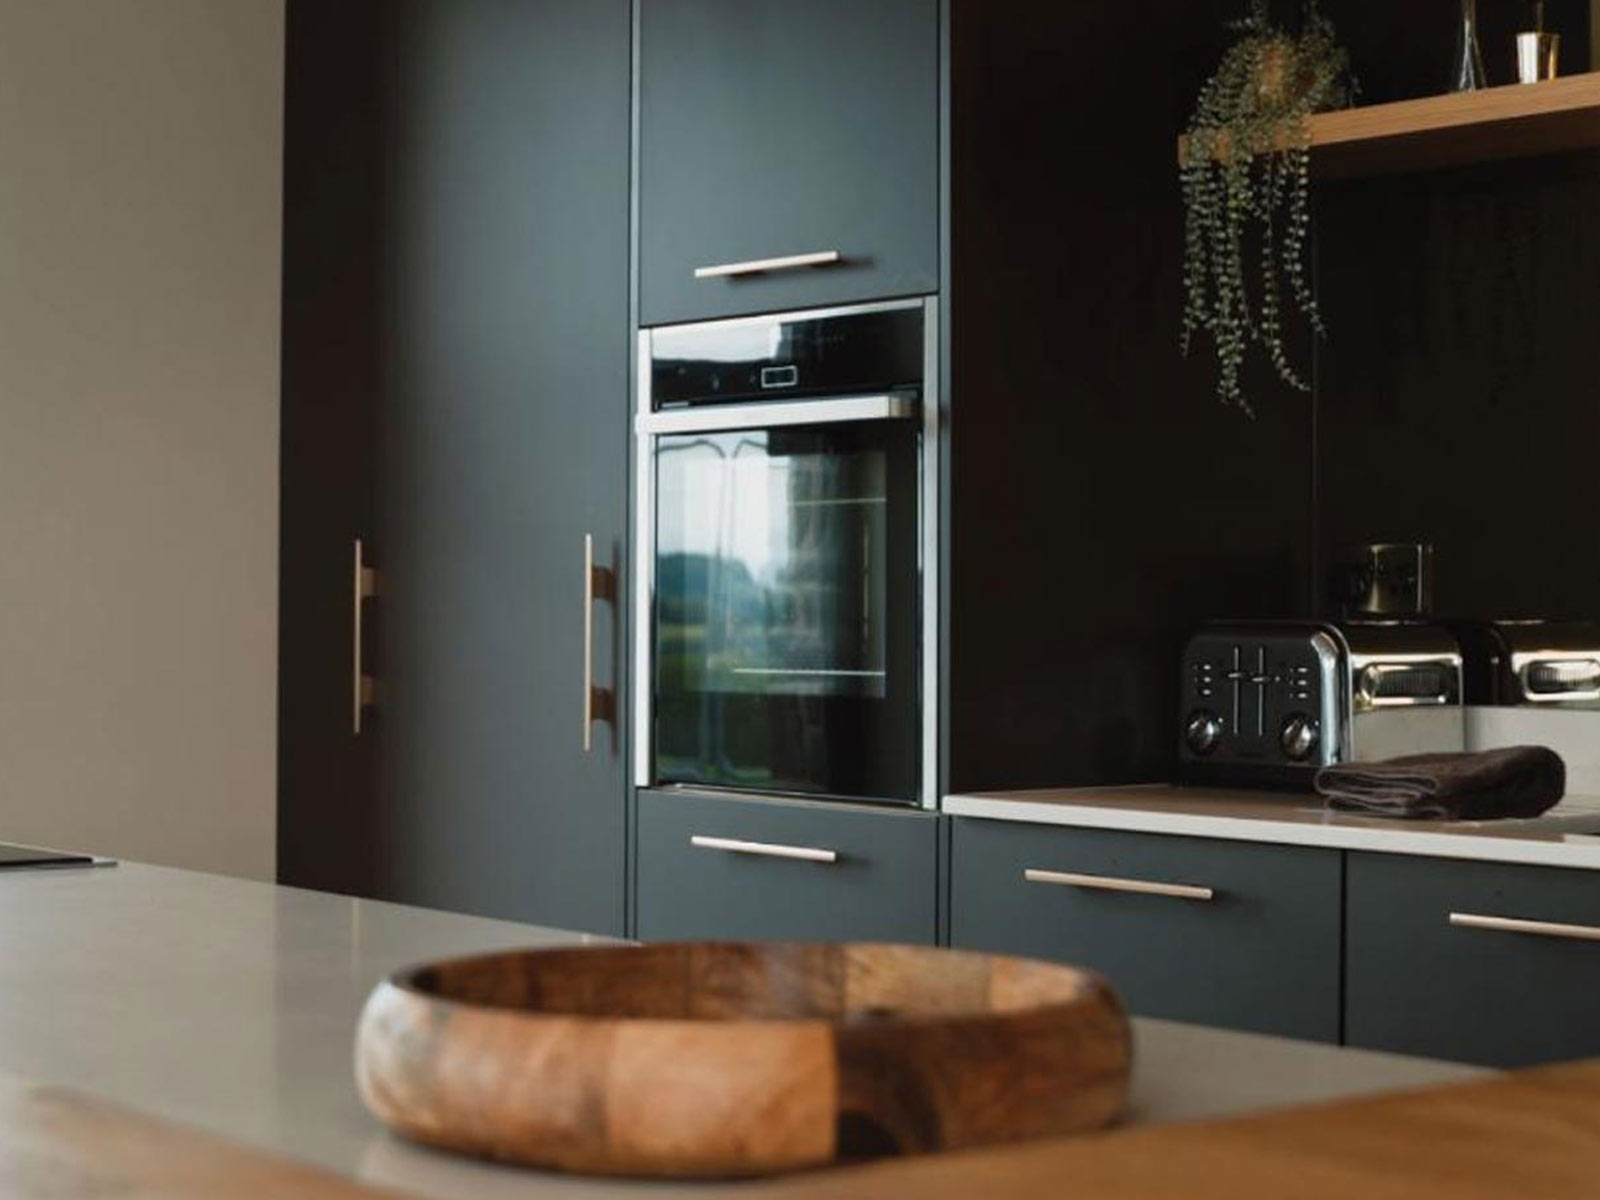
1105, 883
758, 266
764, 849
1579, 933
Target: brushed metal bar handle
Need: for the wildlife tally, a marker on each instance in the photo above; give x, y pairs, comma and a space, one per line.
1106, 883
769, 414
759, 266
1578, 933
363, 690
598, 584
764, 849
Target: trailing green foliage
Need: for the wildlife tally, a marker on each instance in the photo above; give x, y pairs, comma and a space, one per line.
1246, 174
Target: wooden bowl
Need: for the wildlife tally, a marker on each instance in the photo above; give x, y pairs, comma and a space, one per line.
733, 1059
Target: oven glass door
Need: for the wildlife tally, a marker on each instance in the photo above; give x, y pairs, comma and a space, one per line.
787, 611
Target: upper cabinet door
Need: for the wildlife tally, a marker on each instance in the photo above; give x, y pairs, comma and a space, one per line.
776, 129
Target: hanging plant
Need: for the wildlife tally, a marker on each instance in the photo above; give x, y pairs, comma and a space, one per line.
1246, 176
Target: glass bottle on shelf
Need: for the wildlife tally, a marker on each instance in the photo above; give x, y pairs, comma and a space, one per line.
1467, 73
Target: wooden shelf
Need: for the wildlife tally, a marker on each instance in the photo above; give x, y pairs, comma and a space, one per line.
1453, 130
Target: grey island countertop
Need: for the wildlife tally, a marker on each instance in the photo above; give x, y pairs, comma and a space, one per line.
230, 1006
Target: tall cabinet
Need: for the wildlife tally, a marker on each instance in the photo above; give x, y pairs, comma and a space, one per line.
788, 159
456, 398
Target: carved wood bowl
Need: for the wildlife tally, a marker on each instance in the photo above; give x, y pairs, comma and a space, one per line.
728, 1059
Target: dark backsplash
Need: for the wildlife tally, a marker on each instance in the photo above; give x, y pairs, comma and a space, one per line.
1402, 49
1103, 503
1457, 390
1460, 386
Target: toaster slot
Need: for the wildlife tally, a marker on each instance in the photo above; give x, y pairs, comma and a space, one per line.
1260, 681
1549, 679
1406, 684
1236, 680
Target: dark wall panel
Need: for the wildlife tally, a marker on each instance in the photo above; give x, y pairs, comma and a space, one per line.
1102, 501
1458, 385
1459, 391
1102, 504
1402, 51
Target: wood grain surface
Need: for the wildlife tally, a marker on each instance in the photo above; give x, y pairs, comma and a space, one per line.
58, 1144
727, 1059
1520, 1136
1532, 1134
1514, 121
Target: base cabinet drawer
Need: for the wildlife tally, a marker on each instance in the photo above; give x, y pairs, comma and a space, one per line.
714, 867
1218, 933
1479, 962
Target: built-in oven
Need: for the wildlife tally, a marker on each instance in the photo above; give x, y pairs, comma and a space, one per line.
787, 469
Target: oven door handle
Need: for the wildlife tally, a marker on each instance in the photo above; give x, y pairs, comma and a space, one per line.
836, 410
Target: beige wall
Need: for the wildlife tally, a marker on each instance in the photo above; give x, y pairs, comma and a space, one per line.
140, 192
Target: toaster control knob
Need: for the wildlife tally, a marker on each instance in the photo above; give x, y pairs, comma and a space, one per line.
1298, 737
1203, 731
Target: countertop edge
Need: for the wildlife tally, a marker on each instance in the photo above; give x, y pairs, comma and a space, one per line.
1430, 843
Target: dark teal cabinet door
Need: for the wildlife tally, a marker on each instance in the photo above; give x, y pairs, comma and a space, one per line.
1262, 953
505, 445
1481, 962
774, 128
716, 867
458, 288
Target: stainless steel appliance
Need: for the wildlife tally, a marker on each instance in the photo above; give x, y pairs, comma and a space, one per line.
1552, 663
1269, 703
787, 591
1389, 580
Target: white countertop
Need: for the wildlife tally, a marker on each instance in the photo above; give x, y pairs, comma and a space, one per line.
1566, 836
231, 1006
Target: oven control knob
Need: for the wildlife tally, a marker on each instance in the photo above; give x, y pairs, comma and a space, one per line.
1298, 737
1203, 731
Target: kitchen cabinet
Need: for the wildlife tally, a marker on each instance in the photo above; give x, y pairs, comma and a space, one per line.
770, 129
725, 867
332, 350
1482, 962
456, 287
1192, 929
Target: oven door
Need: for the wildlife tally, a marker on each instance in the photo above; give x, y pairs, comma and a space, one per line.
785, 633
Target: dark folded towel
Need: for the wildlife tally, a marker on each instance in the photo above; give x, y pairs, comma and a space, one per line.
1522, 781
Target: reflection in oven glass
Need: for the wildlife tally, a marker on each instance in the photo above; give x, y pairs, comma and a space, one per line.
775, 582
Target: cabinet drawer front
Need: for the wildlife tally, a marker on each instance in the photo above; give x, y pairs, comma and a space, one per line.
1219, 933
711, 867
1481, 962
772, 131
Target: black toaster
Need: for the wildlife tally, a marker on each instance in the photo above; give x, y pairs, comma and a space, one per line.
1270, 703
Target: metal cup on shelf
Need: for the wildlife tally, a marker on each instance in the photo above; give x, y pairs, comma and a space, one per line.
1537, 56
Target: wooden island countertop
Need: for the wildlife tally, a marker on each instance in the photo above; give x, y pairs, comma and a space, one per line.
1532, 1134
1526, 1135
